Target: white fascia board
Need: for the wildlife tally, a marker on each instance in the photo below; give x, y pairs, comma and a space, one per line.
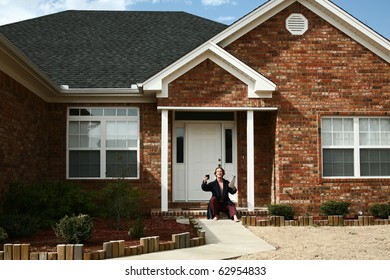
350, 26
155, 83
214, 109
250, 21
261, 85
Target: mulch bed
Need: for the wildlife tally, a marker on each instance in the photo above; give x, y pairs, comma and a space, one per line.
104, 231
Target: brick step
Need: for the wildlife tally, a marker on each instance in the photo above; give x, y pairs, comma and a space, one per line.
201, 213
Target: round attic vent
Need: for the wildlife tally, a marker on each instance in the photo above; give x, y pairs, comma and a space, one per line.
297, 24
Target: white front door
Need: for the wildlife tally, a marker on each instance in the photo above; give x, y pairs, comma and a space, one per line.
204, 152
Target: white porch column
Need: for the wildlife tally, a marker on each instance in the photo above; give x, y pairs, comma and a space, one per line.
250, 160
164, 160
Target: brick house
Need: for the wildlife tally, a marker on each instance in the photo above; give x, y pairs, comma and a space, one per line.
293, 98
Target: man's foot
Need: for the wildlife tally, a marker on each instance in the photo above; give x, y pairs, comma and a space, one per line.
235, 218
215, 218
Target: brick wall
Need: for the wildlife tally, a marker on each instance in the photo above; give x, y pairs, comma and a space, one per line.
321, 72
23, 134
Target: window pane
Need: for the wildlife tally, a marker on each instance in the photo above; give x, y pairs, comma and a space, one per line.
327, 139
348, 124
84, 134
74, 128
74, 112
109, 112
338, 162
385, 139
121, 112
363, 124
337, 124
327, 125
375, 162
132, 112
229, 146
96, 112
337, 132
122, 134
338, 139
121, 164
85, 112
179, 145
84, 164
374, 124
364, 139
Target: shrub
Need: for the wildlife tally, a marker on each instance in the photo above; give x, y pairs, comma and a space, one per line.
19, 225
380, 210
282, 210
75, 229
119, 200
138, 228
47, 201
3, 234
331, 208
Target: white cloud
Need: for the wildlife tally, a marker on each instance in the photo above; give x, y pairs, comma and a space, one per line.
17, 10
226, 19
214, 2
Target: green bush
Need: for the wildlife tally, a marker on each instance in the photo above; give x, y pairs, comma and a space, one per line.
285, 210
119, 200
137, 230
331, 208
3, 234
75, 229
380, 210
19, 225
46, 201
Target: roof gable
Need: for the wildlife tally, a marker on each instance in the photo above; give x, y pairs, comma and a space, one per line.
323, 8
258, 85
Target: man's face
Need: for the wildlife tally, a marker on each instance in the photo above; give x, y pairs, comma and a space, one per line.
219, 173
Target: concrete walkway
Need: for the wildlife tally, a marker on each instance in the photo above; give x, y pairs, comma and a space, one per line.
225, 239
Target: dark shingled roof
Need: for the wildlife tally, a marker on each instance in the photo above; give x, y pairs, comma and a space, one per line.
108, 49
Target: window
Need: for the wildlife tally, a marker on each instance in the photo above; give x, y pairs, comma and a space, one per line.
180, 145
229, 145
356, 147
103, 142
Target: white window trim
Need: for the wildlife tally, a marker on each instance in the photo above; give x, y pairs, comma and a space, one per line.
102, 149
356, 148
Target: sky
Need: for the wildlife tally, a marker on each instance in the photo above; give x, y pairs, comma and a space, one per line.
374, 13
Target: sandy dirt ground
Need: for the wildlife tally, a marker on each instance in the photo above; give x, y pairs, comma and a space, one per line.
324, 243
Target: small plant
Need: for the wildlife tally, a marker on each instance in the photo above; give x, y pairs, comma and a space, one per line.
380, 210
137, 230
285, 210
333, 208
3, 235
75, 229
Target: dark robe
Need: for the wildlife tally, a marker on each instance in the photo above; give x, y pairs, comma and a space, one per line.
223, 197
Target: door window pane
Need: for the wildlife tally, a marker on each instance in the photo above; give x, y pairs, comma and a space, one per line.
180, 145
228, 145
